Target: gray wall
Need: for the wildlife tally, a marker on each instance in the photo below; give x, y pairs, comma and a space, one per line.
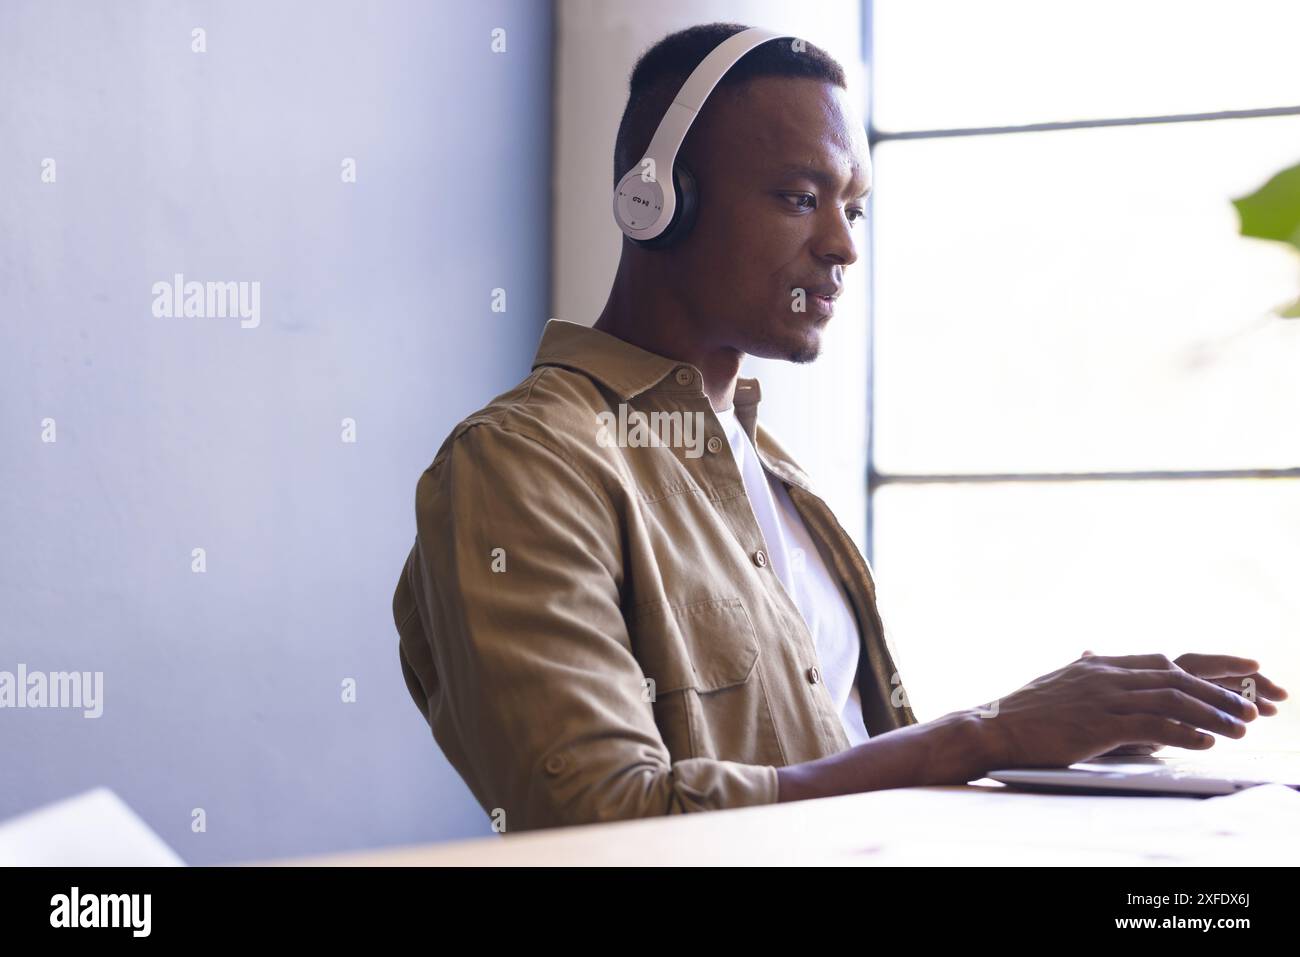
222, 690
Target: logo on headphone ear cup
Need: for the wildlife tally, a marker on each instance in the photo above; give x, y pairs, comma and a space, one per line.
688, 201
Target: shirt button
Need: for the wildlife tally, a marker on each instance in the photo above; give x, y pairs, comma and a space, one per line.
555, 764
685, 376
813, 675
714, 444
760, 558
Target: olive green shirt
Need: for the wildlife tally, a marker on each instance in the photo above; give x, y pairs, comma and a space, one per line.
588, 620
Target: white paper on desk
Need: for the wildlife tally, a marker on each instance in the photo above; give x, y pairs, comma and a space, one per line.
94, 829
1271, 809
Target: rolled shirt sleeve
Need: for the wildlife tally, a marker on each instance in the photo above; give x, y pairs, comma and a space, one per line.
523, 663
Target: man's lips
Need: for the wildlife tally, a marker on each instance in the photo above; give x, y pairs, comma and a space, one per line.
821, 296
829, 291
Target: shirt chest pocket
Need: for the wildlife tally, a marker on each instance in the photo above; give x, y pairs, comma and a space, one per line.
708, 695
708, 646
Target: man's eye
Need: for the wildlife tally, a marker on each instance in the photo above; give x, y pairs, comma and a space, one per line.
809, 201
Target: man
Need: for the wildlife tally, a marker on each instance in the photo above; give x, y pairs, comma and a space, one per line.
626, 600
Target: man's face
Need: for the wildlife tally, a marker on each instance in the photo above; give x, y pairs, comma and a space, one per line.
783, 169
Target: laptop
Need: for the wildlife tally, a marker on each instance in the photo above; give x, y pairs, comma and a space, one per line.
92, 829
1186, 773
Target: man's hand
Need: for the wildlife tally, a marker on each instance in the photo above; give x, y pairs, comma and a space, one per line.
1131, 704
1236, 674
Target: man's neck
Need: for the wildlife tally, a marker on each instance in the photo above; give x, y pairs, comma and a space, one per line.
641, 312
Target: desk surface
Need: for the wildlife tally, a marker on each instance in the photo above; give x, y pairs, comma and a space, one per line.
983, 823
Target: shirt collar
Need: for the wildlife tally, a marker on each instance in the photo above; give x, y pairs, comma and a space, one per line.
628, 370
624, 369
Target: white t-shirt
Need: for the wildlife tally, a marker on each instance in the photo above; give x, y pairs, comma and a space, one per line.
800, 568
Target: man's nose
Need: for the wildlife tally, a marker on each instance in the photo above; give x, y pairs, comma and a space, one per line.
836, 240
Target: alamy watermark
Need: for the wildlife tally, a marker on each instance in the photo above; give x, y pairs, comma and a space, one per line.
129, 911
208, 300
631, 428
54, 689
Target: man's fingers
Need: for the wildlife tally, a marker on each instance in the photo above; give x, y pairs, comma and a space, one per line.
1227, 683
1217, 666
1255, 688
1264, 687
1208, 667
1265, 707
1133, 661
1219, 697
1149, 727
1177, 704
1276, 691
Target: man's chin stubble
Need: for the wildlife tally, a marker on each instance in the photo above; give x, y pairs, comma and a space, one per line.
790, 348
804, 353
804, 350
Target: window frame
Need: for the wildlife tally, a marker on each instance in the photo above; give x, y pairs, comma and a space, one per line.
877, 479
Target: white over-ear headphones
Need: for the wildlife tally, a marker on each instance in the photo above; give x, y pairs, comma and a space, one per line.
649, 214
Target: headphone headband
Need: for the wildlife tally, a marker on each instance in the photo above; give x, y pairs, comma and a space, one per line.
643, 208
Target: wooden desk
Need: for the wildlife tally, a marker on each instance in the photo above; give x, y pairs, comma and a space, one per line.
983, 823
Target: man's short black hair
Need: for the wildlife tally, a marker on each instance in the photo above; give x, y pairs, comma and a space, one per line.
661, 71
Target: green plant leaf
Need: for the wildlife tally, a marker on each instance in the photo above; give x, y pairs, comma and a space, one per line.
1273, 210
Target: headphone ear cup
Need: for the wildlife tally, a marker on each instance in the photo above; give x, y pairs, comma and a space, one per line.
688, 201
683, 216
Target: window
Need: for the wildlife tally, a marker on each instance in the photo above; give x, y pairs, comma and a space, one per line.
1084, 424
